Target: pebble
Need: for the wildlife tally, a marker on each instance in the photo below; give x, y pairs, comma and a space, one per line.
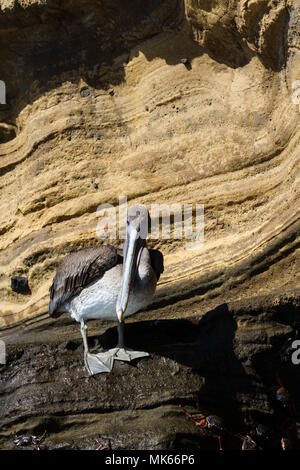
85, 92
20, 284
186, 63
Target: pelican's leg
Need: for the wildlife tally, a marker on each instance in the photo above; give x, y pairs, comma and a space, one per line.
95, 363
121, 352
121, 334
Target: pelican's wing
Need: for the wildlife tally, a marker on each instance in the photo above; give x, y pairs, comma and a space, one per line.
79, 269
157, 262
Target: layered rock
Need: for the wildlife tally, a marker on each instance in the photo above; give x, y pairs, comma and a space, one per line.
223, 134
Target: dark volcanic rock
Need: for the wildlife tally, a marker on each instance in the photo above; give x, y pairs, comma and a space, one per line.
20, 284
221, 363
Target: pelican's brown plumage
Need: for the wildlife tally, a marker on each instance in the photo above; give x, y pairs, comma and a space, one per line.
78, 270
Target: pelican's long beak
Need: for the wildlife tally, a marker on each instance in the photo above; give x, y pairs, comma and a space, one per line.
132, 249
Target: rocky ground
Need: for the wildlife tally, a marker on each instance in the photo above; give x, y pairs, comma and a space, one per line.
101, 104
221, 362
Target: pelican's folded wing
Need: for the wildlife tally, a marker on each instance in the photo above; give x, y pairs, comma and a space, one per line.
79, 269
157, 262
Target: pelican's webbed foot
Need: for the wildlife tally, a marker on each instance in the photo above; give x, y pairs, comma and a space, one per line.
127, 354
121, 353
97, 363
103, 362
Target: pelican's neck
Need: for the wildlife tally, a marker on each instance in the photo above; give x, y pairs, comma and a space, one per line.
144, 264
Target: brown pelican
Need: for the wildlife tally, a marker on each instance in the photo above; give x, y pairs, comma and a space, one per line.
111, 283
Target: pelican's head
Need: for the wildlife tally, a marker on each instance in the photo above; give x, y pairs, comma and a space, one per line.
138, 222
137, 228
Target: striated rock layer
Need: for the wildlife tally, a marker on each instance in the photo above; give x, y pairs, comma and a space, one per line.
224, 133
97, 93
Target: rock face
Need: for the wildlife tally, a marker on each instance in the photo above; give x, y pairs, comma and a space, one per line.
224, 361
99, 105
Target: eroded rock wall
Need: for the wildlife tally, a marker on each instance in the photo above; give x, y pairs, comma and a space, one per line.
224, 133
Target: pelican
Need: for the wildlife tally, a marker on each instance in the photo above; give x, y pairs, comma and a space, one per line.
110, 283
